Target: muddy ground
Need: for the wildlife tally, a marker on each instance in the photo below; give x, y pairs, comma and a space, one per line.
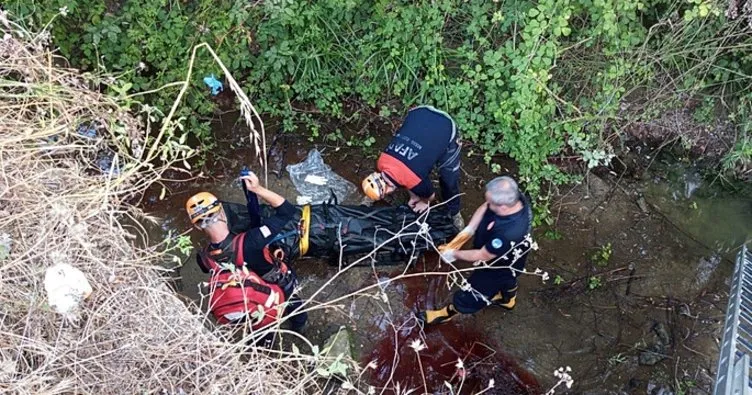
643, 320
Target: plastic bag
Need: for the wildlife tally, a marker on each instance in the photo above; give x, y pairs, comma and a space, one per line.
315, 181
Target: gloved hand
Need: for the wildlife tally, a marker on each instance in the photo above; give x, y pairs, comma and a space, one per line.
448, 255
458, 240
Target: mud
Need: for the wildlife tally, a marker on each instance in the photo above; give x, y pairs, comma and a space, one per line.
672, 247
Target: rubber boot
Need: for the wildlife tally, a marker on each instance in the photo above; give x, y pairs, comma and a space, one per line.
505, 299
432, 317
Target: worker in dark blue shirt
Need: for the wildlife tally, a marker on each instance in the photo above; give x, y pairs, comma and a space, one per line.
428, 139
502, 227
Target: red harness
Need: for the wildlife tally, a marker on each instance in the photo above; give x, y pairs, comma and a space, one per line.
238, 294
243, 295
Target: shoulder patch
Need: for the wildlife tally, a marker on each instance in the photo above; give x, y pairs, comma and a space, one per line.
265, 231
496, 243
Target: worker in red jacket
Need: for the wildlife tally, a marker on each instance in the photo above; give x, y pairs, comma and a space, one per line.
428, 139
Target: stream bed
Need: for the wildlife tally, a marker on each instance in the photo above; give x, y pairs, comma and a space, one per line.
645, 319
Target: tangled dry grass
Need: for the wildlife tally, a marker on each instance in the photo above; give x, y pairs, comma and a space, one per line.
66, 196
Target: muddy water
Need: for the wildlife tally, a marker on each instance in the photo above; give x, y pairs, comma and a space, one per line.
482, 364
716, 218
666, 236
439, 349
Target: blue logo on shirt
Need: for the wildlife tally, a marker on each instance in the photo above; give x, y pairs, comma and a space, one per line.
496, 243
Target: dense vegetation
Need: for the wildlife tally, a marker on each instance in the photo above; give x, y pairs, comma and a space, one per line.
533, 80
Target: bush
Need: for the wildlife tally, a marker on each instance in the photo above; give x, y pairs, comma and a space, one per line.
531, 80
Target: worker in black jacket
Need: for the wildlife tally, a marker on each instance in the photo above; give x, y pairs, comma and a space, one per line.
254, 248
427, 139
502, 227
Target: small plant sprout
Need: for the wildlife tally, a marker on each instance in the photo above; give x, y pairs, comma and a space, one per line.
594, 282
602, 255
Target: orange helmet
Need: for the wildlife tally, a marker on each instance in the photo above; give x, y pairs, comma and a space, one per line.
374, 186
202, 205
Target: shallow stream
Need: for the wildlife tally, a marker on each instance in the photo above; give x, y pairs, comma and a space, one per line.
671, 241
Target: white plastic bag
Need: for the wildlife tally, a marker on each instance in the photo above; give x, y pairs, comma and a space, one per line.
315, 181
66, 287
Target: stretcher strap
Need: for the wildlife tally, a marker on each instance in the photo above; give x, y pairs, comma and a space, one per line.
305, 227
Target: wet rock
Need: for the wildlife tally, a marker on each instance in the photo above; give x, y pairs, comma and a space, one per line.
692, 182
634, 383
656, 351
705, 269
660, 331
659, 389
642, 204
650, 358
276, 156
338, 344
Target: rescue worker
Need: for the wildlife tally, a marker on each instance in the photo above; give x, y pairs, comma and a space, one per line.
428, 138
502, 227
251, 251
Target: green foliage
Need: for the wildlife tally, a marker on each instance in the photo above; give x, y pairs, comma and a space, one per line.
685, 386
705, 112
602, 255
738, 161
617, 359
594, 282
182, 244
531, 80
552, 234
558, 280
148, 43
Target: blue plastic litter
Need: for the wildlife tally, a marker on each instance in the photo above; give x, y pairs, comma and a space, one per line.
89, 130
104, 163
213, 83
